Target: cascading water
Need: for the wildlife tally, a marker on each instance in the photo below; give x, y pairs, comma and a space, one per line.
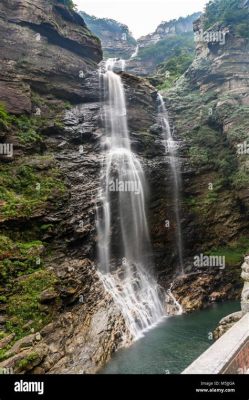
125, 265
178, 310
171, 149
135, 52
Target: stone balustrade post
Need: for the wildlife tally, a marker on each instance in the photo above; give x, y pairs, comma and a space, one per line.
245, 291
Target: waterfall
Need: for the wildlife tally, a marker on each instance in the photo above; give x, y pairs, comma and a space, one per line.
135, 53
113, 64
171, 150
124, 250
171, 299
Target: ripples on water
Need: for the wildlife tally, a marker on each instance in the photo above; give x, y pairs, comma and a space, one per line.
171, 346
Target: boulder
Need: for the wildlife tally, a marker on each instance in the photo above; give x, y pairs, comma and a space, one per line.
6, 340
48, 296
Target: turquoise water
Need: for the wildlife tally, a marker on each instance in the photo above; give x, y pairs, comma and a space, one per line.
171, 346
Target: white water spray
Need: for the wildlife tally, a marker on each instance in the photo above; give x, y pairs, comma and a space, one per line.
125, 265
177, 305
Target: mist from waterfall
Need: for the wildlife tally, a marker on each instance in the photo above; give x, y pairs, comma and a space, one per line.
124, 250
171, 151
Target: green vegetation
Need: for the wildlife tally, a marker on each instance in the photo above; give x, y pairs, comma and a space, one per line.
190, 201
46, 227
240, 129
198, 156
233, 252
25, 362
24, 303
23, 189
100, 25
175, 67
213, 195
18, 258
240, 179
229, 13
207, 142
27, 128
28, 185
22, 280
165, 49
209, 147
5, 118
203, 204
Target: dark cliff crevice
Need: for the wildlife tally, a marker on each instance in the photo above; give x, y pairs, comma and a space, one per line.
68, 15
89, 53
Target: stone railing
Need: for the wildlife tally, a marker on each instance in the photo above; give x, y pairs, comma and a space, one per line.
230, 353
245, 292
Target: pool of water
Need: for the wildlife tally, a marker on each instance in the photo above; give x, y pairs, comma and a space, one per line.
171, 346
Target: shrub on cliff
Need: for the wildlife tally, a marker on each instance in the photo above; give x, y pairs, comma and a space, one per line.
99, 26
231, 13
68, 3
4, 118
167, 48
174, 67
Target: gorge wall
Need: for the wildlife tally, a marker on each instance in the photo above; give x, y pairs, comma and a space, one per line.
54, 313
209, 105
53, 308
49, 287
116, 39
169, 39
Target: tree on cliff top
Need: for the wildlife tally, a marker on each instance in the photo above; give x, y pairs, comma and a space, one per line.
68, 3
232, 13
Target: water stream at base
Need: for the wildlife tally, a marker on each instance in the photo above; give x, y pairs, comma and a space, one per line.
173, 345
125, 261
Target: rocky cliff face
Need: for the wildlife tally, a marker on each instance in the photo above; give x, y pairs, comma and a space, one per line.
169, 28
52, 304
116, 40
46, 49
209, 106
159, 46
54, 313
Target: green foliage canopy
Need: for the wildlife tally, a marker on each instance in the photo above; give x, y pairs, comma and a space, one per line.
230, 13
